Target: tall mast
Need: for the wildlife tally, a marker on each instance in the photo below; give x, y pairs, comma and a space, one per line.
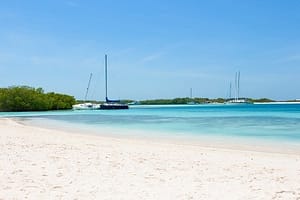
87, 89
235, 86
230, 91
238, 89
105, 77
191, 93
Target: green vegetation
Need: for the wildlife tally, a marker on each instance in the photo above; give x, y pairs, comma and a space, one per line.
193, 100
296, 100
24, 98
91, 101
174, 101
262, 100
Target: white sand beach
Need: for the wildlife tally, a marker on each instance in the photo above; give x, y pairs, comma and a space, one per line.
39, 163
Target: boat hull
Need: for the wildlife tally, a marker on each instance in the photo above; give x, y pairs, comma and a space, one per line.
113, 106
86, 106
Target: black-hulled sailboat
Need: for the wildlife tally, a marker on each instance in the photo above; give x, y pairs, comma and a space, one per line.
111, 104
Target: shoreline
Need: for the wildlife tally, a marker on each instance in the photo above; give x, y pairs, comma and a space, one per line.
41, 163
216, 141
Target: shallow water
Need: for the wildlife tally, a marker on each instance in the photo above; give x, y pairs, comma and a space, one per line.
264, 122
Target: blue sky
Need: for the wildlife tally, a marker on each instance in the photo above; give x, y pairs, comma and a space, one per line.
156, 48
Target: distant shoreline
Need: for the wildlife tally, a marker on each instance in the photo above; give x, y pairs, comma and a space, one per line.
279, 102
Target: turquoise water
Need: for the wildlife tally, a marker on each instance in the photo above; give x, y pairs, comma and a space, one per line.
272, 122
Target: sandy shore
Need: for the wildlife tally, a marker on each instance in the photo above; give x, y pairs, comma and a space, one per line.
37, 163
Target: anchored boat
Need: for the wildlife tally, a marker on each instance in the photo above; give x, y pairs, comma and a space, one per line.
86, 105
111, 104
237, 99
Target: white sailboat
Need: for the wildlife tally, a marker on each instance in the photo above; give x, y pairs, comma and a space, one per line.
86, 105
191, 97
236, 99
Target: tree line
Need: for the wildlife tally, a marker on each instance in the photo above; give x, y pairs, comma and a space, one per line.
173, 101
24, 98
192, 100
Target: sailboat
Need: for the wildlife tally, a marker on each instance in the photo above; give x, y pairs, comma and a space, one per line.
191, 97
236, 99
86, 105
111, 104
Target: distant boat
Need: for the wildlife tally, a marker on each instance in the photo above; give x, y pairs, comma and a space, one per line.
86, 105
111, 104
134, 103
191, 98
237, 99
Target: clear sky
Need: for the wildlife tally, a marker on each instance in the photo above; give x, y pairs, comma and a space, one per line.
156, 48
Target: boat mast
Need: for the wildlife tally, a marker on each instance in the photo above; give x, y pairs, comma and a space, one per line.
235, 87
105, 77
230, 91
87, 89
191, 93
238, 94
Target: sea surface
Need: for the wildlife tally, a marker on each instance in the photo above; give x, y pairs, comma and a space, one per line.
263, 122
